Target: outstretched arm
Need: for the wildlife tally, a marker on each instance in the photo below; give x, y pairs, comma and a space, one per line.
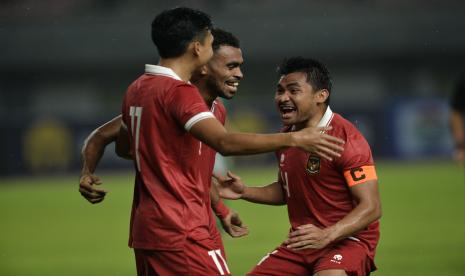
232, 187
211, 132
368, 210
92, 152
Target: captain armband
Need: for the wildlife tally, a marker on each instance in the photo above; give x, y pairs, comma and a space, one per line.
359, 175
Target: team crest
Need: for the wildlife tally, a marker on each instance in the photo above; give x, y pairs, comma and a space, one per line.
313, 164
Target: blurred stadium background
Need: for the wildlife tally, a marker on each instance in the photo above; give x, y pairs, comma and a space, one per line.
64, 66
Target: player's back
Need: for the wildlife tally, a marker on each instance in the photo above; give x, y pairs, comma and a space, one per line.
169, 202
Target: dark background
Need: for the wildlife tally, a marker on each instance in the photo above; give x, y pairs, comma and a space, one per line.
64, 66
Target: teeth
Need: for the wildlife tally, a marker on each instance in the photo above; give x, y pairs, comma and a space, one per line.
232, 83
286, 109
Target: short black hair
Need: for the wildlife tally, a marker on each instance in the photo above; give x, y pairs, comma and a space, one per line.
318, 75
174, 29
224, 38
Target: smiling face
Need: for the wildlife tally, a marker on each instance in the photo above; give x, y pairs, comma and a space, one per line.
223, 71
297, 102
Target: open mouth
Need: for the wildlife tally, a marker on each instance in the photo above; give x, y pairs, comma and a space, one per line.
232, 84
286, 109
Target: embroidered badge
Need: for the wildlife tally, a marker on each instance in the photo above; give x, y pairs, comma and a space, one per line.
313, 164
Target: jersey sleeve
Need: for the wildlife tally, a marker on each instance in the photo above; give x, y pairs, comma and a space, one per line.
357, 161
187, 106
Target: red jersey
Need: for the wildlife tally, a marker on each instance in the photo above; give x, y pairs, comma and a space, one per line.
207, 163
170, 191
317, 190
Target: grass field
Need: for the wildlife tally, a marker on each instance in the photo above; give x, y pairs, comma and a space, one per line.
47, 228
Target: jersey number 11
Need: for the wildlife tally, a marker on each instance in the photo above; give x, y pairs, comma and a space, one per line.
136, 113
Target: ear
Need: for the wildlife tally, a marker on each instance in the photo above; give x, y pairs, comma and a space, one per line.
196, 48
321, 95
203, 70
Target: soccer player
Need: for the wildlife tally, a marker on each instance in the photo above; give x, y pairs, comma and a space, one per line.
457, 120
167, 125
219, 78
333, 205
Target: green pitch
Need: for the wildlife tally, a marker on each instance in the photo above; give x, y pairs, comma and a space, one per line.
48, 229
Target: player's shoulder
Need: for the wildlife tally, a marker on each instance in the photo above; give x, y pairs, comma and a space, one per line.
343, 127
182, 85
355, 143
220, 105
219, 110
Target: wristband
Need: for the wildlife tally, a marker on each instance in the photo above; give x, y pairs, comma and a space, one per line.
221, 210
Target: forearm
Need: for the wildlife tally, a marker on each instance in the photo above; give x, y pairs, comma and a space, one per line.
271, 194
95, 143
361, 216
217, 205
92, 151
211, 132
246, 144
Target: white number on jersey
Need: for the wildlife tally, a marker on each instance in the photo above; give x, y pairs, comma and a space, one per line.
136, 113
285, 183
215, 254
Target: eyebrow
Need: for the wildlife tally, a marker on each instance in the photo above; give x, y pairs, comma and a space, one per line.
293, 84
234, 63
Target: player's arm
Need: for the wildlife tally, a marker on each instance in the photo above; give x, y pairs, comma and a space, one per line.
230, 219
122, 143
233, 188
368, 210
211, 132
91, 153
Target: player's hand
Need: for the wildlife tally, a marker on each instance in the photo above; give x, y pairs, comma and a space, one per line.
230, 187
307, 236
232, 224
315, 140
88, 188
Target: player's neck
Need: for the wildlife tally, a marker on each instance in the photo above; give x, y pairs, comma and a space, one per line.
183, 68
209, 99
313, 120
208, 96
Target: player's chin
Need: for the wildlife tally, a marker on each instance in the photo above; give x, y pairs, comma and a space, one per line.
287, 120
230, 92
227, 93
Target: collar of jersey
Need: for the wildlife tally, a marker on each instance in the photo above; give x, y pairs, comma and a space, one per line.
327, 117
161, 70
325, 120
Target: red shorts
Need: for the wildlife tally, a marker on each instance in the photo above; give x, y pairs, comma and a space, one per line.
197, 258
346, 255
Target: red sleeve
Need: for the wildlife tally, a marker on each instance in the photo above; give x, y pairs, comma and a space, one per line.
186, 105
